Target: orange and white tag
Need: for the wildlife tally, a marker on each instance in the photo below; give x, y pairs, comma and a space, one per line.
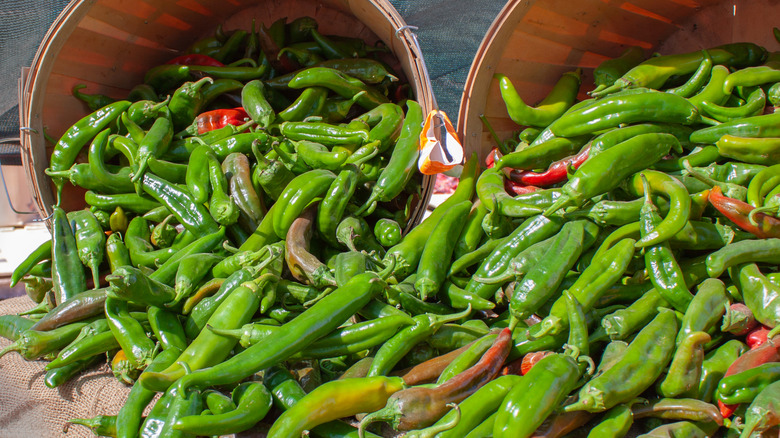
440, 149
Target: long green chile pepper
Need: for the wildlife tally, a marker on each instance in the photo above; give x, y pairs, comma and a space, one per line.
128, 201
681, 428
254, 403
139, 348
33, 344
192, 269
472, 234
437, 253
610, 112
271, 176
407, 253
354, 338
340, 83
760, 126
141, 251
402, 342
753, 106
68, 278
209, 348
743, 387
191, 215
540, 391
197, 174
90, 241
532, 230
82, 306
557, 101
255, 103
616, 422
541, 281
166, 272
316, 155
57, 376
616, 136
131, 284
76, 137
746, 251
589, 286
386, 121
760, 295
167, 328
84, 348
154, 144
685, 369
697, 79
713, 91
678, 409
655, 71
39, 254
96, 175
301, 190
679, 204
476, 407
201, 312
319, 319
660, 263
186, 102
624, 322
613, 69
399, 169
705, 310
601, 173
761, 415
128, 419
310, 103
644, 360
327, 134
11, 326
420, 406
222, 207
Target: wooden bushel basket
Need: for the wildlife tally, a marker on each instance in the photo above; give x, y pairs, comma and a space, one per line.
534, 41
109, 45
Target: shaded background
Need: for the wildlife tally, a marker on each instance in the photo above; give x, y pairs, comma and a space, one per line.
450, 32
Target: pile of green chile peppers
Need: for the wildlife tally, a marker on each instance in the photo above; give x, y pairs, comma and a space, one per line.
247, 251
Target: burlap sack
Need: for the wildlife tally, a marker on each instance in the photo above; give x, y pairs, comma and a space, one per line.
28, 408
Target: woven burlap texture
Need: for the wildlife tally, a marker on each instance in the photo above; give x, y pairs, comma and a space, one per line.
28, 408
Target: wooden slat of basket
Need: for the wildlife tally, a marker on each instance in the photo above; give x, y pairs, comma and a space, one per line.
102, 59
664, 10
593, 25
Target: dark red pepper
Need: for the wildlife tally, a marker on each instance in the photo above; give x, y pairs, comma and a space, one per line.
195, 59
556, 173
216, 119
737, 211
518, 188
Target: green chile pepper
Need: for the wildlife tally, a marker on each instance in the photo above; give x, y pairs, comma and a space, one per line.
557, 101
644, 360
340, 83
68, 278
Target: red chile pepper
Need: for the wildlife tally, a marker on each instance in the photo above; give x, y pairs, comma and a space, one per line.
556, 173
738, 212
518, 188
195, 59
767, 352
531, 359
216, 119
757, 337
418, 407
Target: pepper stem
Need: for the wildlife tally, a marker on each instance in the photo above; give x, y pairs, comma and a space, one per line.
440, 320
546, 327
385, 414
562, 202
13, 347
230, 333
